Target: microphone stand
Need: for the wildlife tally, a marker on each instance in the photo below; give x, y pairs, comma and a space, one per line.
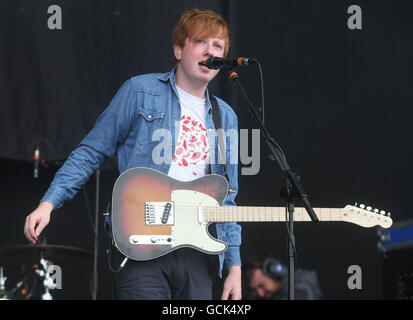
96, 243
292, 190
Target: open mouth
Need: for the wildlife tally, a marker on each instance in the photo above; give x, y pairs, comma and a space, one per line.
202, 63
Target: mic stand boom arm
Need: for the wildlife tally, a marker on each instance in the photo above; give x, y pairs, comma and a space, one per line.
294, 188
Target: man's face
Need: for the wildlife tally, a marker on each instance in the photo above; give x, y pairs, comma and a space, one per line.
194, 52
264, 285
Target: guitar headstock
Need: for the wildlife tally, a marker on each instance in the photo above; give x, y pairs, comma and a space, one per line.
366, 216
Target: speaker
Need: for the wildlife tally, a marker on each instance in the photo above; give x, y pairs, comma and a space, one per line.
274, 268
396, 246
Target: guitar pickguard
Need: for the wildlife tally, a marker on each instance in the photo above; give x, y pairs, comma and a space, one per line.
189, 230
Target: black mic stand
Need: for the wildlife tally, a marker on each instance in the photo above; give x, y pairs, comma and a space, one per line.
96, 242
293, 187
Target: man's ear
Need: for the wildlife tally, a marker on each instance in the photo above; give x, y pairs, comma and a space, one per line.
177, 52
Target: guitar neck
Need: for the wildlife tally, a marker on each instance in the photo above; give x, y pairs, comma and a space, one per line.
267, 214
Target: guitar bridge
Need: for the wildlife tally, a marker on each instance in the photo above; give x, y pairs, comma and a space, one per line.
159, 213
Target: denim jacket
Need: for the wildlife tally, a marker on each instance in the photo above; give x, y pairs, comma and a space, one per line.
142, 105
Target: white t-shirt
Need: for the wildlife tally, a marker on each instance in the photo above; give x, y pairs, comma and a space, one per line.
190, 160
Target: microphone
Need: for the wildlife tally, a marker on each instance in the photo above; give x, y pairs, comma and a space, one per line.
36, 159
221, 63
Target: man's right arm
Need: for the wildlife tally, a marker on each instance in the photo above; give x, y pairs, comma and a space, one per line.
110, 130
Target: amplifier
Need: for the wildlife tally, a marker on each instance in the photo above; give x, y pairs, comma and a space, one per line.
396, 247
399, 236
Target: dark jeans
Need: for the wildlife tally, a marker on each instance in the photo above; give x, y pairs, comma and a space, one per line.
183, 274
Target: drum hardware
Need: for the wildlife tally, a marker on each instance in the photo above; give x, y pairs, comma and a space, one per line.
3, 292
39, 257
47, 281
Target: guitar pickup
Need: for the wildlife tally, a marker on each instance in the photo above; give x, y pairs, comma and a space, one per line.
159, 213
166, 213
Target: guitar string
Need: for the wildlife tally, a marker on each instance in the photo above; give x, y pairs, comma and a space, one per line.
264, 214
261, 216
227, 209
262, 210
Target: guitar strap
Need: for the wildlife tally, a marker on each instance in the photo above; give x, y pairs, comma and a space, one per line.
216, 116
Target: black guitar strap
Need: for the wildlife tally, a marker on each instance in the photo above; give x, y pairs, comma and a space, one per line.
216, 116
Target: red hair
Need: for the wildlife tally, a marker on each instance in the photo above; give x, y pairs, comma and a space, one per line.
196, 24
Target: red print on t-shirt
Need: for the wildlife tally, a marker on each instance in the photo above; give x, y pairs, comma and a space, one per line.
192, 146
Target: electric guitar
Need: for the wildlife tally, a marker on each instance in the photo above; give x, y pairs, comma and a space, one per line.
154, 214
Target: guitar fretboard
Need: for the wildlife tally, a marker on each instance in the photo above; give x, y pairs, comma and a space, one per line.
270, 214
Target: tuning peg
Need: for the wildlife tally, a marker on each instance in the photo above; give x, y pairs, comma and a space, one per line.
382, 212
376, 210
369, 208
388, 214
362, 206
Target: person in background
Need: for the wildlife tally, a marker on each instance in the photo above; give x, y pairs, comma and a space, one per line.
267, 279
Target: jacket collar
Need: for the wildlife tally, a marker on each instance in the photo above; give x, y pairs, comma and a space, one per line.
170, 76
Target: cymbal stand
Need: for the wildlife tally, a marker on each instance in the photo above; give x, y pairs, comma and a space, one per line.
48, 282
3, 292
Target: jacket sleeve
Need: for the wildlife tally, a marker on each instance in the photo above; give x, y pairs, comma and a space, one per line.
111, 129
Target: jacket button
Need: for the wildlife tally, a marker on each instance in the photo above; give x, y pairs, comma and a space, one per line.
149, 116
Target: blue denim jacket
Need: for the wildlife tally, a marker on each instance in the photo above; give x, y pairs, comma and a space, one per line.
142, 105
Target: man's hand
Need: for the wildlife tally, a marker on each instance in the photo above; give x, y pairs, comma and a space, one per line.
37, 220
232, 284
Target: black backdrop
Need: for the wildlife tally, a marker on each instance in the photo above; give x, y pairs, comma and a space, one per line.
337, 100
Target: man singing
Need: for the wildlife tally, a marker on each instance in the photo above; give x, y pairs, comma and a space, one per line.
143, 105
